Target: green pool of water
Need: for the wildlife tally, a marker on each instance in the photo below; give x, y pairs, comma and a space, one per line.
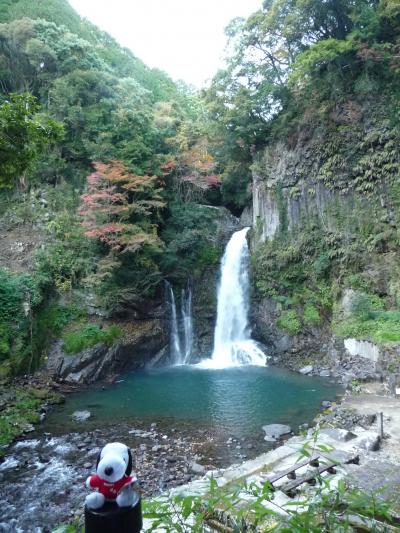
236, 401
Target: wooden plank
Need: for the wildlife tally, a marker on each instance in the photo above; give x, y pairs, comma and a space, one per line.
310, 478
291, 472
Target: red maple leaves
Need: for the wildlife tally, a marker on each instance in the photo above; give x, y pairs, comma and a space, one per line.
118, 206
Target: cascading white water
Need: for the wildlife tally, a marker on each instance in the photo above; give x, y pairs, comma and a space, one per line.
180, 351
186, 311
175, 344
232, 341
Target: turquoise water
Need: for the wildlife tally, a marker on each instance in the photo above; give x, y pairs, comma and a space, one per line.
236, 401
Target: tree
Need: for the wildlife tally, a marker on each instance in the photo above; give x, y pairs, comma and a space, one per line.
23, 133
193, 171
118, 207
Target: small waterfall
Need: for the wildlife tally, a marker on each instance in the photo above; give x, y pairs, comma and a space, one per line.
232, 341
180, 351
186, 311
175, 344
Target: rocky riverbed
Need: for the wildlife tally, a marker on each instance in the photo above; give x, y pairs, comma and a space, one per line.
42, 478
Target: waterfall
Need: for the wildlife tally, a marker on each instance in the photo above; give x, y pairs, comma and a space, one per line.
175, 344
186, 312
180, 351
232, 341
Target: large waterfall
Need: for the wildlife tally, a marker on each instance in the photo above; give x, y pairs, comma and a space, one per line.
232, 341
180, 351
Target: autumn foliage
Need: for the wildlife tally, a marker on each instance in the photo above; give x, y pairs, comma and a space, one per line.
193, 171
118, 207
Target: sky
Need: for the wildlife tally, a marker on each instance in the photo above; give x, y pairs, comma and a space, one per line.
183, 37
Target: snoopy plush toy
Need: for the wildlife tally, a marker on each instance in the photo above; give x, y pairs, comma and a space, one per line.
113, 479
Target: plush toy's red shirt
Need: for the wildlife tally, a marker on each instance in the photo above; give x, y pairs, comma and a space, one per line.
109, 490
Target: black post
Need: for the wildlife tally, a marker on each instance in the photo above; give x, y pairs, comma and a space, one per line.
113, 519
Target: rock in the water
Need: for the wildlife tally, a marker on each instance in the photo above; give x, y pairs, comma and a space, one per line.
306, 370
196, 468
81, 416
326, 404
276, 431
325, 374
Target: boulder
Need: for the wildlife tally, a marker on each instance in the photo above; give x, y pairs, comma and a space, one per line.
306, 370
140, 346
81, 416
338, 434
370, 441
276, 431
196, 468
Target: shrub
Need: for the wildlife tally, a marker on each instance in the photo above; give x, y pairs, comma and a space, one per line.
289, 322
363, 306
311, 315
379, 330
89, 335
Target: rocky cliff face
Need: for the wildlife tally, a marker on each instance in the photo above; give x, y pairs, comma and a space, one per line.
141, 346
287, 188
319, 208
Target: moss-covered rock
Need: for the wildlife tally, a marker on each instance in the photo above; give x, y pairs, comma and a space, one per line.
19, 409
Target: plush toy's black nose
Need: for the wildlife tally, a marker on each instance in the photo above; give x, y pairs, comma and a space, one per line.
109, 470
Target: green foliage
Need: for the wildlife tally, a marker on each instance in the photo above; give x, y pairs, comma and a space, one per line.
288, 80
15, 418
189, 236
23, 133
354, 158
73, 527
289, 322
363, 305
55, 317
369, 321
19, 294
20, 410
27, 321
112, 107
378, 330
320, 56
311, 315
89, 335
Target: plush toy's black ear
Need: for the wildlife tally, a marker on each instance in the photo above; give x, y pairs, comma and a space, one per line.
129, 465
98, 460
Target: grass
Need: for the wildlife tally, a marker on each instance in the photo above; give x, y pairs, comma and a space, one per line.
89, 335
